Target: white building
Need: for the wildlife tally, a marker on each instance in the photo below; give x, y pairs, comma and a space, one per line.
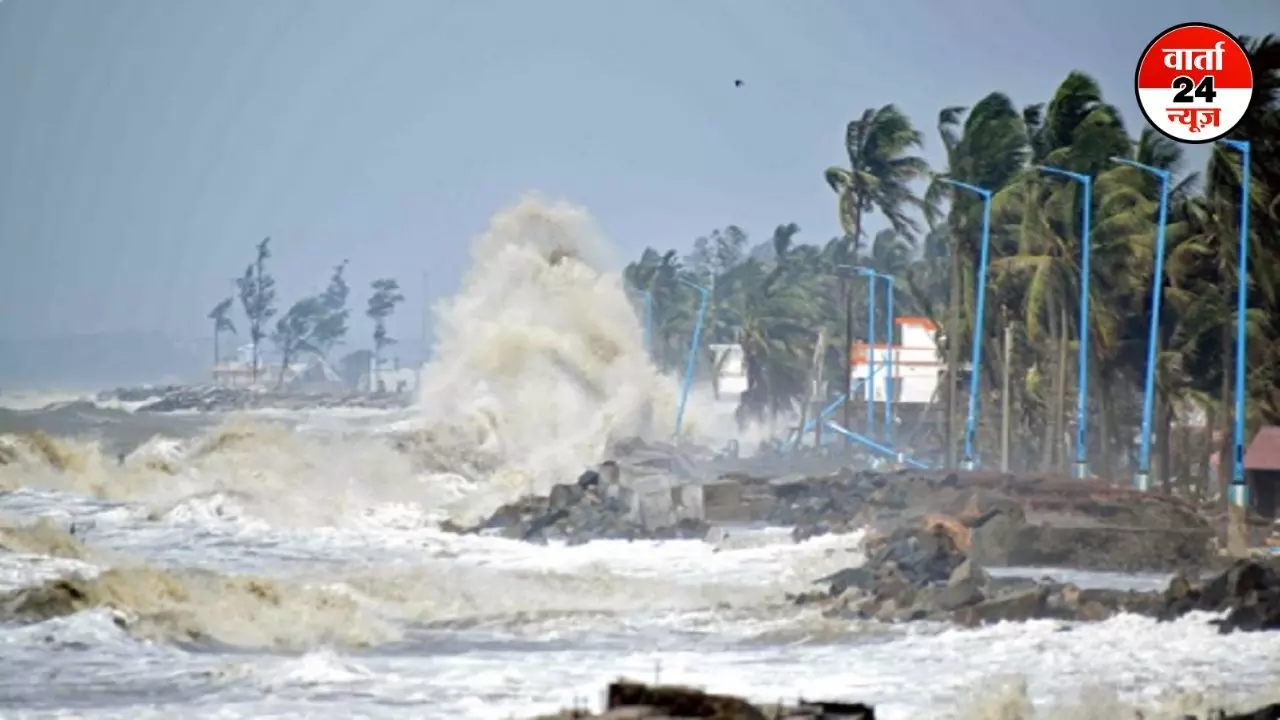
913, 366
389, 376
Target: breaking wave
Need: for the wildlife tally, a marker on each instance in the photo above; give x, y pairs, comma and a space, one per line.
540, 360
271, 473
198, 606
539, 366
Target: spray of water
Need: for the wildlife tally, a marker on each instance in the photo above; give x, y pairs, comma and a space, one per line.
540, 361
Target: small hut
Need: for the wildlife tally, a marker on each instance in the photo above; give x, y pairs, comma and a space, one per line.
1262, 472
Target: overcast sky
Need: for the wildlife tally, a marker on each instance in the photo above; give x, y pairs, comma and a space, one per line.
146, 145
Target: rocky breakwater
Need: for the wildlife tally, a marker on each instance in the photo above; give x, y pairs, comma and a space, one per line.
927, 573
1013, 521
599, 506
212, 398
628, 700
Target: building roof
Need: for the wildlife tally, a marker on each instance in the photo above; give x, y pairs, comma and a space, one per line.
1264, 452
922, 322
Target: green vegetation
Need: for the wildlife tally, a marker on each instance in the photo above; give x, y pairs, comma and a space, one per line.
313, 325
258, 297
382, 303
775, 297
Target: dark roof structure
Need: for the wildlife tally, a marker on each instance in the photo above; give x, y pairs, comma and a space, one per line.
1264, 452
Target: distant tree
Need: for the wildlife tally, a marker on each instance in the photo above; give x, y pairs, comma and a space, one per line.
314, 324
295, 332
353, 366
386, 295
221, 324
333, 327
258, 296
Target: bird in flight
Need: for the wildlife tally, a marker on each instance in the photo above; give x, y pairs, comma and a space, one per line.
737, 83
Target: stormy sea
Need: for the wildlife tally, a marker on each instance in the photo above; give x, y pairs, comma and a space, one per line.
298, 563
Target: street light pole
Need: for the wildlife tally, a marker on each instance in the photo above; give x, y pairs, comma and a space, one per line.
889, 339
871, 357
975, 362
1142, 478
1081, 468
1238, 492
872, 275
704, 296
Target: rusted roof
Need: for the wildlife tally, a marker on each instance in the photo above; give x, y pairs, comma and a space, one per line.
1264, 452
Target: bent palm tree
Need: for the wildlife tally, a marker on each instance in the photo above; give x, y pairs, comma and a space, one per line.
879, 174
221, 324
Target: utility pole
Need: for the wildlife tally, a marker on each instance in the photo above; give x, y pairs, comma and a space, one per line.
820, 367
1004, 398
811, 394
848, 357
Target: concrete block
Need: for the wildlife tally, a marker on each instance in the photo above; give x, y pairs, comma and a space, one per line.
656, 509
687, 502
723, 502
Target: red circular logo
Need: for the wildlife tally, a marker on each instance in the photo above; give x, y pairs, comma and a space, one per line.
1194, 82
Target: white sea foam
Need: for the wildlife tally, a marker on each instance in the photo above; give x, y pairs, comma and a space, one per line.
320, 535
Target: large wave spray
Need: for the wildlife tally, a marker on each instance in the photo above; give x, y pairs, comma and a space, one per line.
540, 361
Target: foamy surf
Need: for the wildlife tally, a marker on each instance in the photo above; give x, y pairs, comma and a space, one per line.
288, 564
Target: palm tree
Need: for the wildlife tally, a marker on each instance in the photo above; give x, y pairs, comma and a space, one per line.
781, 296
221, 323
879, 174
776, 332
988, 150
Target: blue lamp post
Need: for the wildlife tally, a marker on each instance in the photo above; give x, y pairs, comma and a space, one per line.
1081, 469
889, 339
1142, 478
1238, 492
871, 358
975, 362
704, 296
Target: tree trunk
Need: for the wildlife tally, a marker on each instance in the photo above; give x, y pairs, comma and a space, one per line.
1164, 450
846, 415
255, 362
1047, 420
1226, 447
216, 353
847, 291
284, 365
953, 349
1106, 430
1049, 428
1060, 392
1206, 467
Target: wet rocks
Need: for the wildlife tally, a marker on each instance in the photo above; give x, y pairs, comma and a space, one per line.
1248, 593
930, 572
627, 700
212, 398
1028, 522
595, 507
1004, 533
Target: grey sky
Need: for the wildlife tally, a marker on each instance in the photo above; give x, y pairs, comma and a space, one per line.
146, 145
